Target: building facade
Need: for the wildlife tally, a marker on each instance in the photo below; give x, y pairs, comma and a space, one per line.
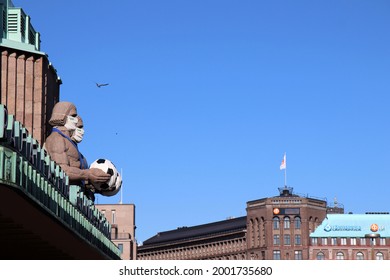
279, 227
283, 227
274, 228
352, 237
122, 220
222, 240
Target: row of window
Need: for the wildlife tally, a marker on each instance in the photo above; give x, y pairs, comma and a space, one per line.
286, 223
321, 255
202, 251
358, 256
287, 239
344, 241
297, 255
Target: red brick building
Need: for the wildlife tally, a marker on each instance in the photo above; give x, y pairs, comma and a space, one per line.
222, 240
278, 228
122, 220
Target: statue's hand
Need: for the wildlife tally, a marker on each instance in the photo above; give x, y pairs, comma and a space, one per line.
96, 175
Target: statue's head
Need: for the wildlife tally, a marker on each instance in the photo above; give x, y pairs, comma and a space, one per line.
61, 111
65, 114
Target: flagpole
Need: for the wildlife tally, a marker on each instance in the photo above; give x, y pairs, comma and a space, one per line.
120, 202
285, 171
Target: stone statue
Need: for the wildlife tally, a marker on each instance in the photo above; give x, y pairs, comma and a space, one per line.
61, 144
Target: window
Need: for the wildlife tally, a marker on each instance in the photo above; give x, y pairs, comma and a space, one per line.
276, 239
120, 247
297, 222
362, 241
324, 241
276, 255
379, 256
276, 222
353, 241
333, 241
113, 217
320, 256
314, 241
297, 239
359, 256
340, 256
343, 241
286, 222
287, 239
382, 241
298, 255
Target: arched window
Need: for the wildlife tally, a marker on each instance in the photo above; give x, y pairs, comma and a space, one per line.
276, 222
286, 223
297, 222
320, 256
340, 256
379, 256
359, 256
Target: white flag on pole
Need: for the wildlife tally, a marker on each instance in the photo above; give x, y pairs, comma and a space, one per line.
283, 164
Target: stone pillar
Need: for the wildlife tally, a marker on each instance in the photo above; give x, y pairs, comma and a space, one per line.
29, 88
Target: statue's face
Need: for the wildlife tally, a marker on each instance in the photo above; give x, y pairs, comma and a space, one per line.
71, 122
78, 133
75, 125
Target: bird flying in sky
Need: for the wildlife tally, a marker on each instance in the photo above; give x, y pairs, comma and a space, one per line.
101, 85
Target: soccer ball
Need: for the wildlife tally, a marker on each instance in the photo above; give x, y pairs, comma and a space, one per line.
113, 186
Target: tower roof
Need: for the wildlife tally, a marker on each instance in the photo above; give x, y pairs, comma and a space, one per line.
16, 29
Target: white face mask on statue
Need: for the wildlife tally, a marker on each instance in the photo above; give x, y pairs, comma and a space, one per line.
71, 122
78, 135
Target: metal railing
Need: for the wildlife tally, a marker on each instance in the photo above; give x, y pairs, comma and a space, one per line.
25, 165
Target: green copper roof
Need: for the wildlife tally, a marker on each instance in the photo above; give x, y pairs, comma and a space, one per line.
16, 29
353, 225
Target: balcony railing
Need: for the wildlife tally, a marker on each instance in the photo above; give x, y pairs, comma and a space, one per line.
24, 164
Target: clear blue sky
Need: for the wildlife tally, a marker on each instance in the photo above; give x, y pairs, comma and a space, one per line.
205, 97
